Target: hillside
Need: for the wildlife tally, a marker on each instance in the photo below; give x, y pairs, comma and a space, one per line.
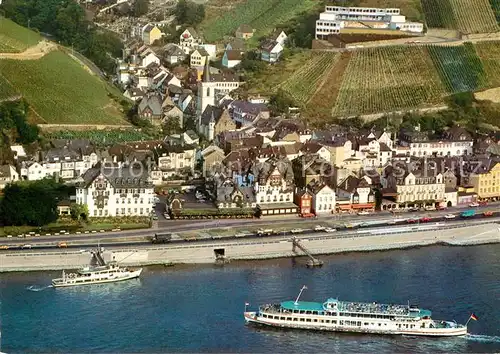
384, 79
59, 89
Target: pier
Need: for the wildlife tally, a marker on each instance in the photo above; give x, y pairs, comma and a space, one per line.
312, 262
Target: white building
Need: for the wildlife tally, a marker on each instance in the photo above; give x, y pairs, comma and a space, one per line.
323, 199
175, 159
8, 174
336, 17
274, 182
116, 191
189, 40
414, 188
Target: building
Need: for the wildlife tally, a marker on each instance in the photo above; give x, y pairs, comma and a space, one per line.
271, 51
8, 174
151, 33
214, 121
173, 54
189, 40
486, 180
174, 160
212, 159
244, 32
232, 196
246, 113
355, 194
231, 58
303, 199
116, 190
323, 198
198, 58
336, 18
150, 108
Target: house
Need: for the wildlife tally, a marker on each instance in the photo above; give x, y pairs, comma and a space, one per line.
315, 148
244, 31
312, 167
173, 54
116, 190
175, 160
353, 194
150, 107
215, 120
486, 180
323, 198
246, 113
212, 159
133, 93
150, 34
64, 208
271, 51
32, 171
147, 57
171, 110
211, 49
190, 40
231, 58
279, 37
8, 174
303, 199
274, 187
18, 151
232, 196
339, 145
198, 58
236, 44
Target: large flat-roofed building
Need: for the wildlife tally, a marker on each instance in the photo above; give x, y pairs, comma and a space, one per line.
336, 18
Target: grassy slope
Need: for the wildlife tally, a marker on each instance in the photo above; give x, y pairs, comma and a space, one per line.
262, 15
61, 91
15, 38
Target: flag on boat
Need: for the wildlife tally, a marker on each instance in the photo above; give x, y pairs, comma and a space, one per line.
473, 317
247, 304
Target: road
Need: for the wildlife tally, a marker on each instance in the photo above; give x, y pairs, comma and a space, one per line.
135, 237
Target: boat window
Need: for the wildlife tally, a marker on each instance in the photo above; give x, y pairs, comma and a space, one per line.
334, 321
327, 321
301, 320
380, 324
308, 312
359, 323
366, 323
322, 321
282, 318
308, 320
288, 318
295, 319
315, 320
315, 312
302, 311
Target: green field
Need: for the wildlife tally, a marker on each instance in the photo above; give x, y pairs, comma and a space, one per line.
100, 137
489, 52
466, 16
15, 38
262, 15
460, 68
61, 91
6, 90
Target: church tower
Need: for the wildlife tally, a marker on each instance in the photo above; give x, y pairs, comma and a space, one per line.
206, 92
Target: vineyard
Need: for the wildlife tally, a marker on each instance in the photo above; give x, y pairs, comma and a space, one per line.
15, 38
466, 16
489, 52
304, 82
100, 137
6, 89
460, 68
263, 15
388, 79
60, 90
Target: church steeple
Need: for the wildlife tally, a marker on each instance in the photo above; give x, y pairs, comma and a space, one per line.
206, 71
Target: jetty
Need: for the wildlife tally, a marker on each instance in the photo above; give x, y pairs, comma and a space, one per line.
312, 262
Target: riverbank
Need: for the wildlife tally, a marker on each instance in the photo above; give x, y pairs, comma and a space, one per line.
249, 249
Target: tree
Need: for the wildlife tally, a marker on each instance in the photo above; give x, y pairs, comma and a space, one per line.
172, 126
189, 13
280, 102
79, 211
31, 203
141, 7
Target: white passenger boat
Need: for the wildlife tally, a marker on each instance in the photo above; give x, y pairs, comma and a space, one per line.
344, 316
108, 273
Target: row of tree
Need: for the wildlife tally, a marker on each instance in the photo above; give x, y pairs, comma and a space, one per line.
66, 21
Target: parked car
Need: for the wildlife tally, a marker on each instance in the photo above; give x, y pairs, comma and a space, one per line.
26, 246
330, 229
239, 234
488, 213
319, 228
413, 209
262, 232
483, 203
62, 244
364, 212
155, 217
450, 216
474, 205
296, 231
430, 208
4, 247
425, 219
412, 220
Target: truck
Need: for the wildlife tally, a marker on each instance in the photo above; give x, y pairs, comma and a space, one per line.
468, 214
161, 238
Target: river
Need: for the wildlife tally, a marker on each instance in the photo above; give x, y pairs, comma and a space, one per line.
199, 308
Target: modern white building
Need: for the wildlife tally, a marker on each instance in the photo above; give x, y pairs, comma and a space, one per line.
116, 190
334, 18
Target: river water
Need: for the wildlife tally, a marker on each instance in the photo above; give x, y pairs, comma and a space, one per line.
199, 309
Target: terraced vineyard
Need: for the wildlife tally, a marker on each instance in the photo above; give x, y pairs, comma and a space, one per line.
489, 53
388, 79
467, 16
460, 68
304, 82
263, 15
15, 38
6, 89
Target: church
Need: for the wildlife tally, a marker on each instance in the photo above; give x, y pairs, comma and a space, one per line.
211, 90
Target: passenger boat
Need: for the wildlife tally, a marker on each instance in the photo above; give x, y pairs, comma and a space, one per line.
108, 273
344, 316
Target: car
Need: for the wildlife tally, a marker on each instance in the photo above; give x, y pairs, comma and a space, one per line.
425, 219
413, 209
474, 205
26, 246
62, 244
391, 222
155, 217
262, 232
483, 203
166, 216
319, 228
412, 220
4, 247
430, 208
240, 234
450, 216
330, 229
488, 213
296, 231
363, 213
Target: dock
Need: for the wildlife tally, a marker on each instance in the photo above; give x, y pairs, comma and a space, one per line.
313, 261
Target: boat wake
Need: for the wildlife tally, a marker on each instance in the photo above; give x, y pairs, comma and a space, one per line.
37, 288
483, 338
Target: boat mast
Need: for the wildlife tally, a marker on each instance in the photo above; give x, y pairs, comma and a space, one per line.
300, 293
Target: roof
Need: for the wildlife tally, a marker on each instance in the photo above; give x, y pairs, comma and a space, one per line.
302, 305
5, 170
211, 112
237, 44
153, 101
172, 49
233, 55
202, 51
274, 36
244, 28
149, 27
192, 31
118, 177
268, 45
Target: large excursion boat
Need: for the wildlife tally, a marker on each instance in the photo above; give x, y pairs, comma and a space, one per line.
343, 316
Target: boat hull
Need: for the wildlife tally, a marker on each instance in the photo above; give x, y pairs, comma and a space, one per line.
252, 318
132, 275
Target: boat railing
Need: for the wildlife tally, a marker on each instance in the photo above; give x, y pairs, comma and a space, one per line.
373, 308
